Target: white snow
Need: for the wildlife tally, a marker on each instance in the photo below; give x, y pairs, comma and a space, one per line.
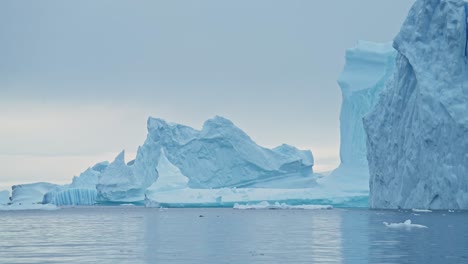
277, 205
417, 133
405, 225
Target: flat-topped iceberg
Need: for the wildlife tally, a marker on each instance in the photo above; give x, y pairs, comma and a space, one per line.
417, 135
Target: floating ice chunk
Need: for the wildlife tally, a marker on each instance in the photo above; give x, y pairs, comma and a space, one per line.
20, 207
421, 210
405, 225
276, 205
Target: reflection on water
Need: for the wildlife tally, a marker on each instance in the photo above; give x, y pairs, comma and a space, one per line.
139, 235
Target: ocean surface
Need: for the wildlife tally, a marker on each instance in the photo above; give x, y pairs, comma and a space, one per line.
150, 235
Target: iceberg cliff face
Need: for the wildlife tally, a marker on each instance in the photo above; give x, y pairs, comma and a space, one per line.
368, 67
417, 135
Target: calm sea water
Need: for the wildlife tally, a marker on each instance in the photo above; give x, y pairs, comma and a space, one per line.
140, 235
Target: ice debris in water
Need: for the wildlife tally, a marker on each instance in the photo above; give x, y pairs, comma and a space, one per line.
276, 205
405, 225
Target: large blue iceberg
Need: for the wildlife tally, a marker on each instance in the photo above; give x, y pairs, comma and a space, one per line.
417, 135
220, 155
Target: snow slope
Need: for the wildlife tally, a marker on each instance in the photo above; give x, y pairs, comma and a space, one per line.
417, 135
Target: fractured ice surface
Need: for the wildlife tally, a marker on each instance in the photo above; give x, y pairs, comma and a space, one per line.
417, 135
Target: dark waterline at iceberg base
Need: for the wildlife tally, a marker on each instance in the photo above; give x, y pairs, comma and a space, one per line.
150, 235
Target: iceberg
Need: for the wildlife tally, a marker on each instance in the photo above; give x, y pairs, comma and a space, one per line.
220, 155
368, 66
405, 225
417, 134
32, 193
4, 197
82, 190
228, 197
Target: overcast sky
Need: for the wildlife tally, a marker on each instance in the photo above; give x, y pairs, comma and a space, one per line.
78, 79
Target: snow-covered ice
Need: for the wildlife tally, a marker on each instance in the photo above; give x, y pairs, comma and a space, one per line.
417, 135
405, 225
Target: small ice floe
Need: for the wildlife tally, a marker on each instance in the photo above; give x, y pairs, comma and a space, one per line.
267, 205
405, 225
451, 211
127, 205
20, 207
422, 210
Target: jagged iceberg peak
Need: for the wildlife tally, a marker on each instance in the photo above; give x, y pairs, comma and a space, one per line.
417, 135
118, 182
219, 155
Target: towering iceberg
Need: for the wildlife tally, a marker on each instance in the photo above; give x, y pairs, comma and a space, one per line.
368, 66
417, 135
220, 155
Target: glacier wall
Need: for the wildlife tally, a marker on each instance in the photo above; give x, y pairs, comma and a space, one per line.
417, 135
368, 66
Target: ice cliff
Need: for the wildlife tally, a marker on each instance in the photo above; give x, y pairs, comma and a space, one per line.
417, 135
367, 68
